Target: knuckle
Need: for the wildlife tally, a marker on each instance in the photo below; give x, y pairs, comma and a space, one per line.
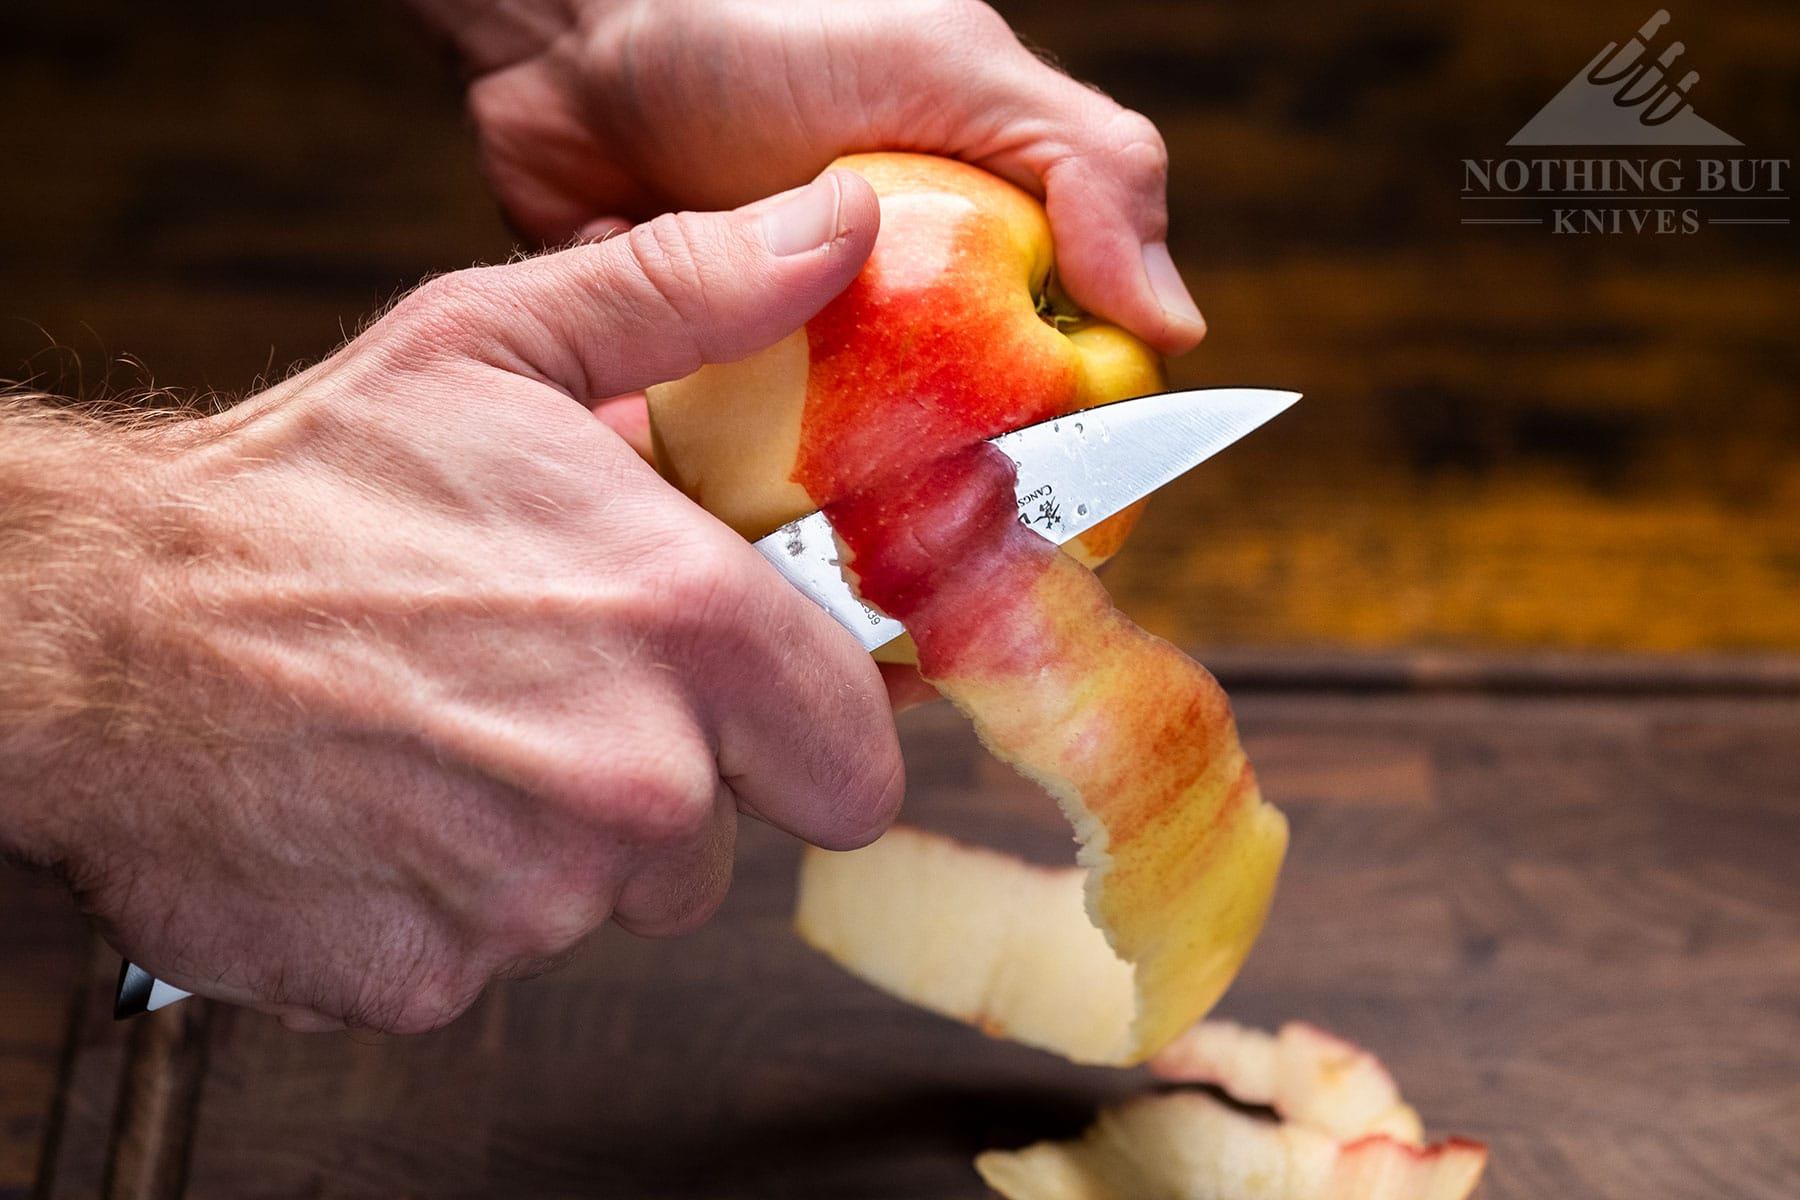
422, 981
545, 922
446, 309
679, 892
1138, 147
441, 298
706, 576
650, 780
672, 255
426, 1013
709, 602
667, 795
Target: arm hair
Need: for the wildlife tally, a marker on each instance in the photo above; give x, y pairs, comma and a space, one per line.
74, 520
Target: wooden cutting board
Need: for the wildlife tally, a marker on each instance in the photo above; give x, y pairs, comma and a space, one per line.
1568, 919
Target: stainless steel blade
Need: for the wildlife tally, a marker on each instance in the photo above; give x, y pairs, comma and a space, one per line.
1074, 472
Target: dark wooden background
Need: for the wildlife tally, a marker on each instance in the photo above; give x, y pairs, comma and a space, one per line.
1568, 922
1509, 437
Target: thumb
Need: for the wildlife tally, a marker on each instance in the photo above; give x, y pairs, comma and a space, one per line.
658, 301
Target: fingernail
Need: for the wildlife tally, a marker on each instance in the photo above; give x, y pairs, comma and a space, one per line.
1165, 281
803, 219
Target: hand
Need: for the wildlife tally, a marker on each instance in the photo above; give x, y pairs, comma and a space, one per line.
598, 113
425, 673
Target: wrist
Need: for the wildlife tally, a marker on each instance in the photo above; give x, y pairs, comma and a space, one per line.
72, 534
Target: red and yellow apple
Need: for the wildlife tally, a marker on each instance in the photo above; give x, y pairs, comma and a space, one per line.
877, 412
954, 332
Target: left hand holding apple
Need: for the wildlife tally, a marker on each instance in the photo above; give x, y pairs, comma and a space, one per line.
596, 114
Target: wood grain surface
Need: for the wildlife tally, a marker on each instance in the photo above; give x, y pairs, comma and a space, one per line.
1571, 927
41, 955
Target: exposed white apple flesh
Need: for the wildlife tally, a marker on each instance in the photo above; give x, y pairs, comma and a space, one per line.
1340, 1131
1305, 1074
1192, 1146
975, 935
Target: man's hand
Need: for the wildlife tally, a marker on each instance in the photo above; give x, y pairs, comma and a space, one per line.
408, 673
593, 114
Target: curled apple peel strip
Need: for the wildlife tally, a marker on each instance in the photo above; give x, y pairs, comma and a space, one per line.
1191, 1146
1342, 1131
1305, 1074
1132, 738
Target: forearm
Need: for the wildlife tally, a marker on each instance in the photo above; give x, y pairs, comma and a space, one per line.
71, 524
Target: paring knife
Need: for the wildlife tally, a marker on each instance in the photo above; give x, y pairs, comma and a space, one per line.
1074, 472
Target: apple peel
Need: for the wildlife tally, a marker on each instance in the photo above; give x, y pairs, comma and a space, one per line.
1340, 1130
1133, 738
1306, 1075
971, 934
1192, 1146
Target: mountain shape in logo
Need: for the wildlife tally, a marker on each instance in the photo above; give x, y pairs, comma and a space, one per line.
1623, 97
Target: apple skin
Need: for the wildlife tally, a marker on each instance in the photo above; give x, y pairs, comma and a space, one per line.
953, 332
1341, 1131
1187, 1145
1305, 1074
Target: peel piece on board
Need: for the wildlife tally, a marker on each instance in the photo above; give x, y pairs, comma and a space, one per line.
1340, 1131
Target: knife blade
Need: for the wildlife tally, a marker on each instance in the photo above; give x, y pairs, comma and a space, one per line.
1075, 471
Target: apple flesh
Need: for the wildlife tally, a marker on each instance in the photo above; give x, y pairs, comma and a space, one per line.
1303, 1073
877, 412
974, 935
1341, 1130
1191, 1146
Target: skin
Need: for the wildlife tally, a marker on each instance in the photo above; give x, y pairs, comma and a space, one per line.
616, 118
408, 673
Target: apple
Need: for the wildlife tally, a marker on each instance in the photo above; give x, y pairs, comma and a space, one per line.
877, 412
954, 332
